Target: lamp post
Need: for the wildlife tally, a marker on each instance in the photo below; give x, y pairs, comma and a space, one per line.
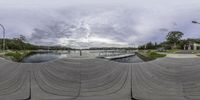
195, 22
4, 31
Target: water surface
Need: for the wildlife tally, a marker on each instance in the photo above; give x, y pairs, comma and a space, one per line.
42, 57
130, 59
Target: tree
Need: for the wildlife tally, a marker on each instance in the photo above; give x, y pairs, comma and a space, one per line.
174, 37
148, 46
22, 38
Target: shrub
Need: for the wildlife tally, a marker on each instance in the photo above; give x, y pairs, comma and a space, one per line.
155, 55
14, 55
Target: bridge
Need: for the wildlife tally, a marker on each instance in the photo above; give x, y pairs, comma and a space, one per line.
100, 79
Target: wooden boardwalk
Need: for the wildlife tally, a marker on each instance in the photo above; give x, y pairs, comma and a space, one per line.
100, 79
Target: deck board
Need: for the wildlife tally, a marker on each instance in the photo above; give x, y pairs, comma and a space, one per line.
100, 79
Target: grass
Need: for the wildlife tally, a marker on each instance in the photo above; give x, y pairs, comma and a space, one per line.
171, 51
16, 55
155, 55
150, 55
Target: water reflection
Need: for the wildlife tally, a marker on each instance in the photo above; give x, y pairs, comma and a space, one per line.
42, 57
130, 59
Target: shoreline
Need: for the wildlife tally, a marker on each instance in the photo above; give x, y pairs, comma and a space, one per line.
150, 56
14, 56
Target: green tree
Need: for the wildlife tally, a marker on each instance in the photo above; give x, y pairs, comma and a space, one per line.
22, 38
174, 38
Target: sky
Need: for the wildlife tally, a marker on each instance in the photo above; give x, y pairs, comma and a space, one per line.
98, 23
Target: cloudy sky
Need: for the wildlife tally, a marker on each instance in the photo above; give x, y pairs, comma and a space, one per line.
98, 23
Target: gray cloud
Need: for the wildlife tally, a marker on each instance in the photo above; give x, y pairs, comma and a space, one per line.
86, 24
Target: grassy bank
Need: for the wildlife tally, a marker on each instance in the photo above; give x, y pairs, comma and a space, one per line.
172, 51
15, 55
149, 55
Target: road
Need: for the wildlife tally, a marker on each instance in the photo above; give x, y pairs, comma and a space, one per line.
101, 79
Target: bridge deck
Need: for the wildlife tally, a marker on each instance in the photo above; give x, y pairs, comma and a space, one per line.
98, 79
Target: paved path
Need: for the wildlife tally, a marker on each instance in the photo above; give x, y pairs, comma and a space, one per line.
182, 55
100, 79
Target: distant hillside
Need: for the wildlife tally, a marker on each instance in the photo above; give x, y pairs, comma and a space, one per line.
17, 44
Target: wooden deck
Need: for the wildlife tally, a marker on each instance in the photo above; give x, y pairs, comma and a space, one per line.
100, 79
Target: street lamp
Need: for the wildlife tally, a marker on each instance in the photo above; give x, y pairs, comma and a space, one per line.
195, 22
195, 47
4, 31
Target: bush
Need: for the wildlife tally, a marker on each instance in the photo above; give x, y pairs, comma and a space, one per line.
149, 55
155, 55
14, 55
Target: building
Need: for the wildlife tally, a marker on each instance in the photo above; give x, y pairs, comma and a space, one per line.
192, 46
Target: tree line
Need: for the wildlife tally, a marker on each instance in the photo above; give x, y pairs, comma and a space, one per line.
173, 40
21, 44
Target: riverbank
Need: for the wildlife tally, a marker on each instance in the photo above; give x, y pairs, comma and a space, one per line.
17, 56
149, 55
14, 55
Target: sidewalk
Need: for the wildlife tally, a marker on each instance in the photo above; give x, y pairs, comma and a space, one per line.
182, 56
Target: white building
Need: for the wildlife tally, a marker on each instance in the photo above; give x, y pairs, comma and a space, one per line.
194, 46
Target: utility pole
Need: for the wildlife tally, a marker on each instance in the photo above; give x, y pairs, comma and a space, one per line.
3, 42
